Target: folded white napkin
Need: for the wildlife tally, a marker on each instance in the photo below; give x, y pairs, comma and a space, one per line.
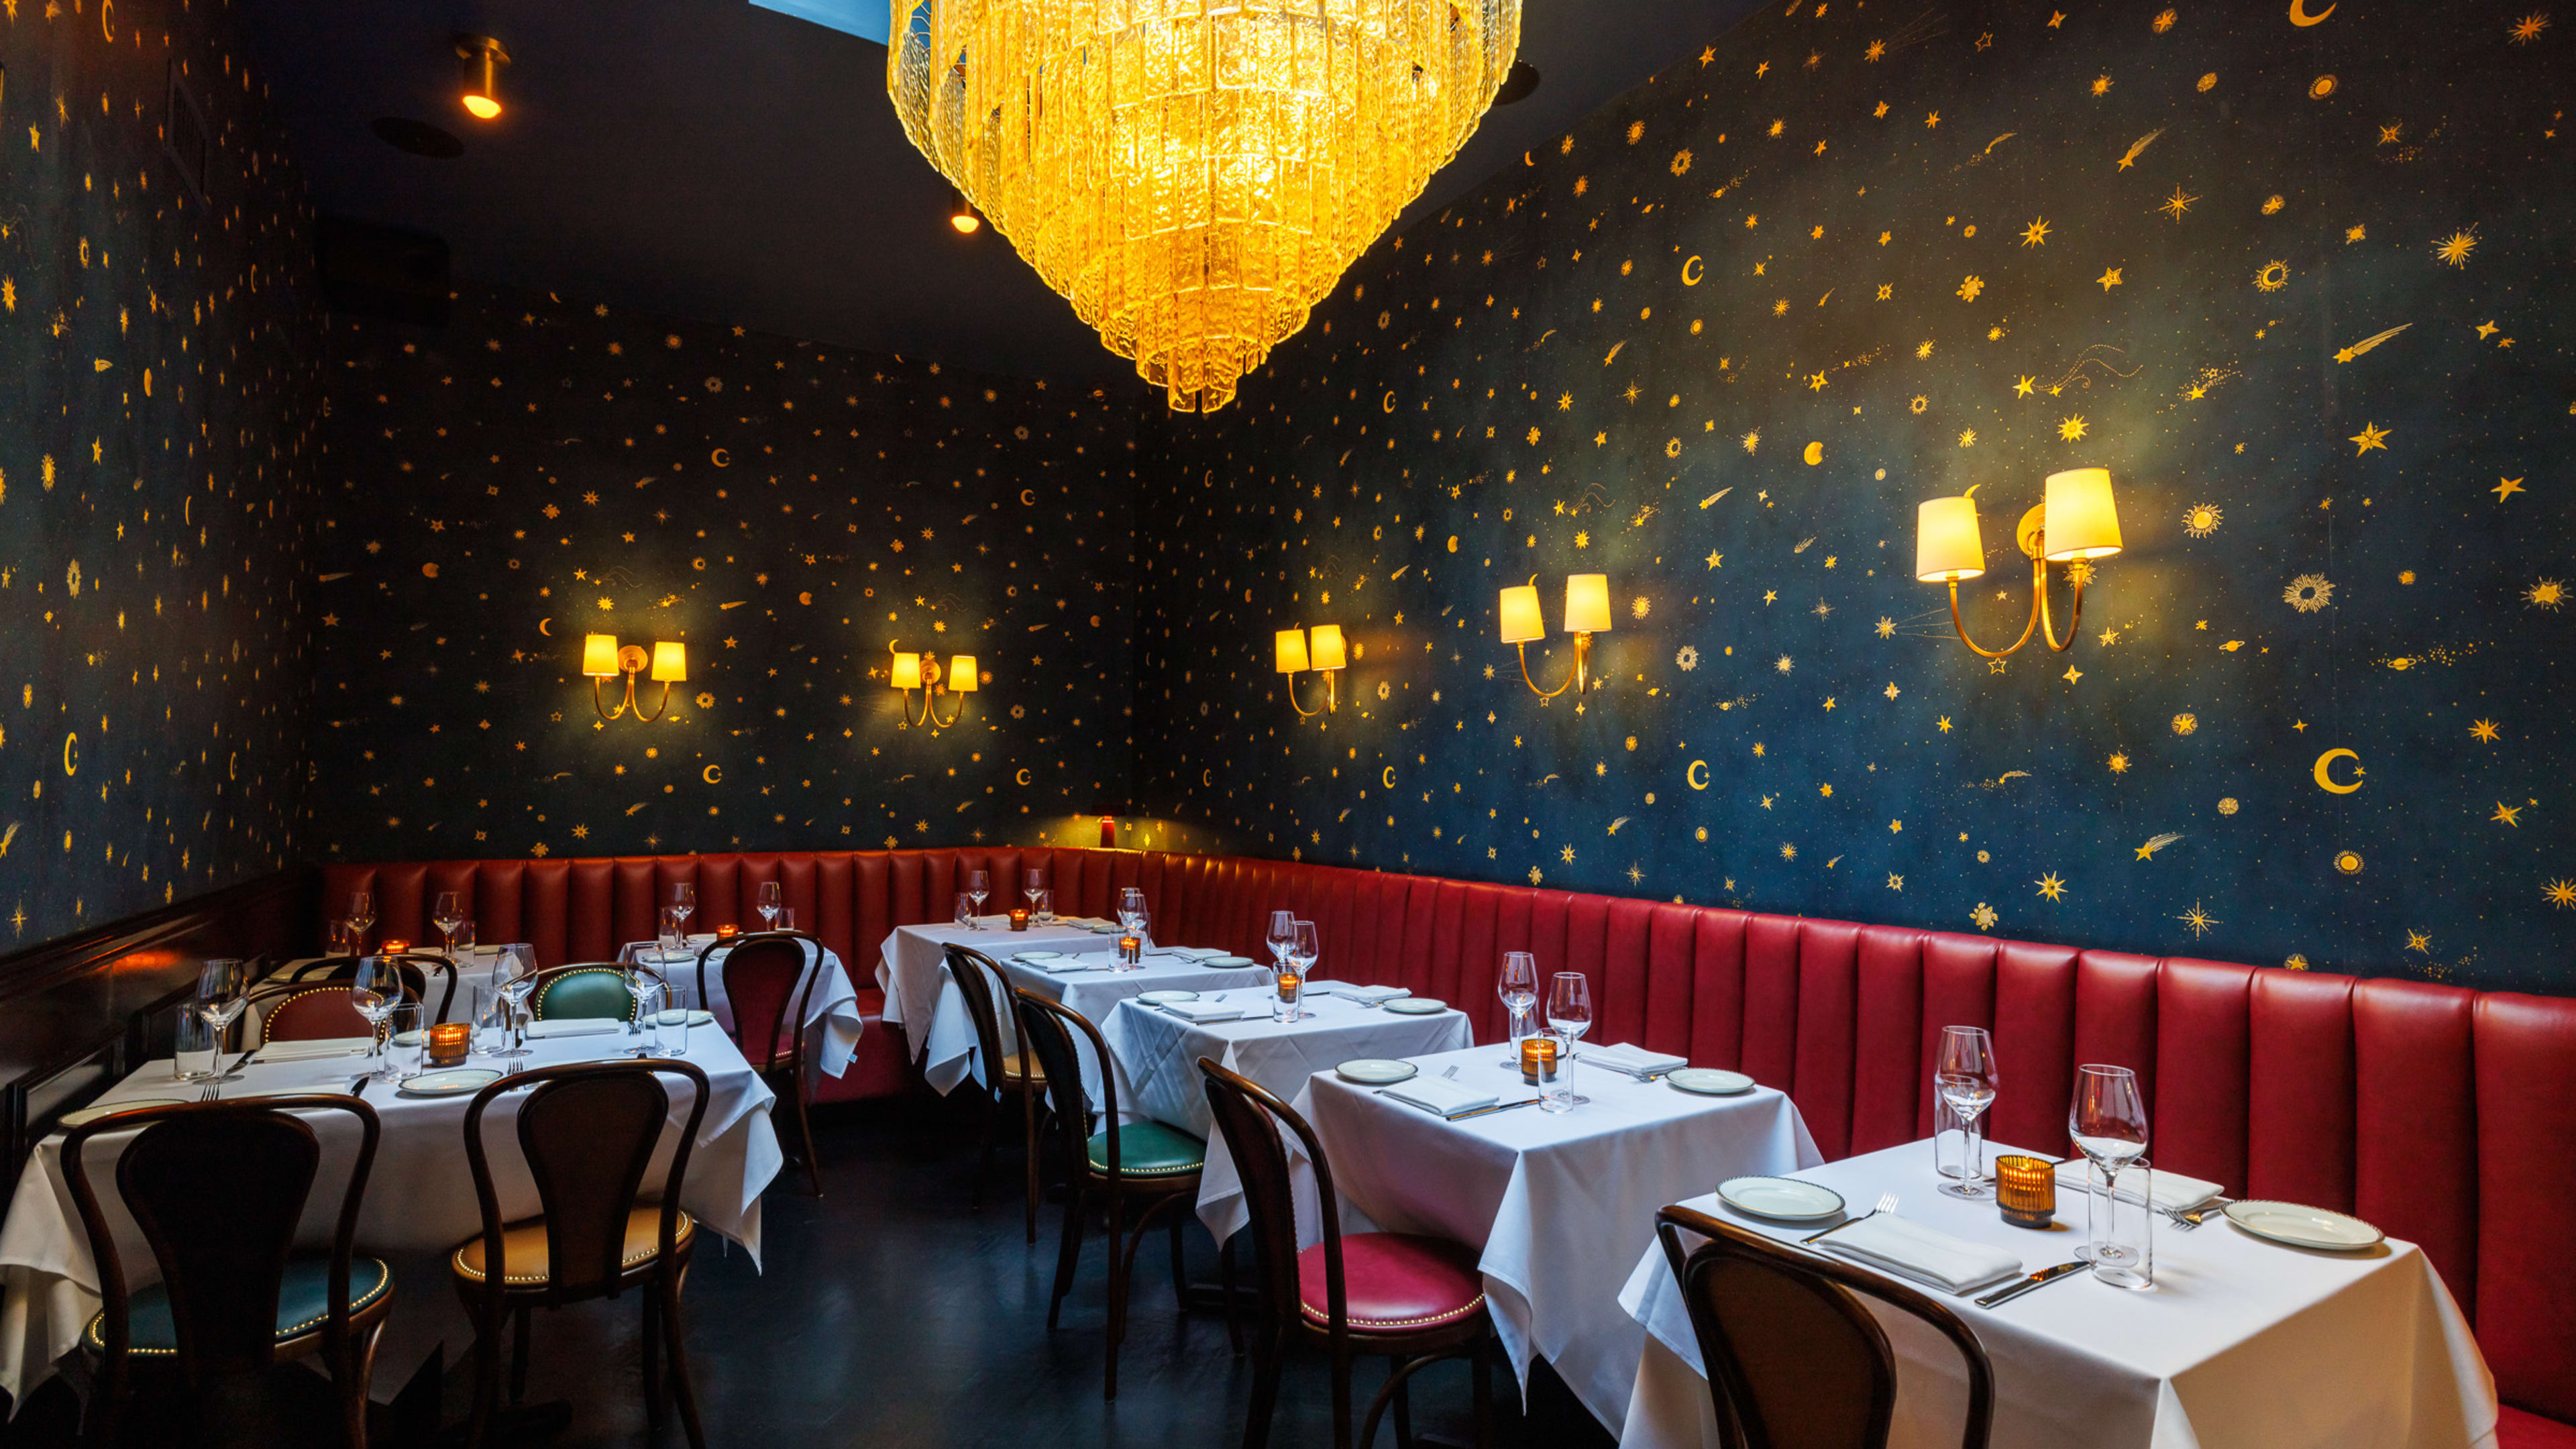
1357, 992
1441, 1095
1203, 1011
314, 1049
1191, 953
2172, 1193
576, 1026
1068, 965
1628, 1057
1910, 1250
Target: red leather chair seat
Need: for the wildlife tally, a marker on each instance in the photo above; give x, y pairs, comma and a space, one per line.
1394, 1282
2518, 1430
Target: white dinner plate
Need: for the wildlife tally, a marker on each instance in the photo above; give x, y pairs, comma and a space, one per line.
1375, 1071
1157, 998
1226, 962
1708, 1081
1037, 955
1416, 1006
92, 1114
454, 1082
2304, 1227
1781, 1199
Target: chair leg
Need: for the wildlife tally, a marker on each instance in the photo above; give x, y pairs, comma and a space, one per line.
1029, 1122
1342, 1399
354, 1376
1403, 1413
1267, 1353
992, 1137
1225, 1277
652, 1346
487, 1377
1180, 1283
805, 1133
1122, 1266
106, 1406
519, 1355
674, 1338
1481, 1369
1069, 1255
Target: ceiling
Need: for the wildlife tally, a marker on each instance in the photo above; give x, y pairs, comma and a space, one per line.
716, 160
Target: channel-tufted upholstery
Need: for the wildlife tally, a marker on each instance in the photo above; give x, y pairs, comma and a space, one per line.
2438, 1113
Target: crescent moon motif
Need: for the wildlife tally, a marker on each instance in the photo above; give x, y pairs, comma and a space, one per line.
541, 626
1387, 777
71, 754
1689, 278
2325, 771
107, 18
2300, 16
1028, 498
1815, 454
1697, 781
712, 774
721, 458
1023, 776
1206, 780
1387, 402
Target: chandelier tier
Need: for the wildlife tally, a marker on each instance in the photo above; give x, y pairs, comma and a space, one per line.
1194, 175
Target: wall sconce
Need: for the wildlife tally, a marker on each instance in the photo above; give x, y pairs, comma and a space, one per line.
1323, 652
2075, 522
601, 658
484, 58
923, 672
1587, 612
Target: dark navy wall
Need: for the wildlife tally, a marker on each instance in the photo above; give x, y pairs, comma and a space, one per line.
158, 359
2304, 290
543, 467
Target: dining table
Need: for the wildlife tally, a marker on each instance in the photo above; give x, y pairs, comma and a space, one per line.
420, 1201
1155, 1053
2240, 1343
833, 1021
1552, 1202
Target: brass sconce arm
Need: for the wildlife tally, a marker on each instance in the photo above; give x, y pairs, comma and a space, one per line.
1332, 694
1576, 679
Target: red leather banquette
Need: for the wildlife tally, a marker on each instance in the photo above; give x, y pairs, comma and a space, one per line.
2445, 1116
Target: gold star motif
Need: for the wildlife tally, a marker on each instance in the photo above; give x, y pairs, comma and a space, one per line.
2056, 19
2484, 730
2355, 233
1932, 120
2072, 674
2505, 488
2420, 941
2101, 85
1816, 382
2035, 234
2176, 204
2528, 28
2110, 278
1715, 559
2051, 887
2560, 893
1945, 725
2456, 247
2371, 436
2504, 815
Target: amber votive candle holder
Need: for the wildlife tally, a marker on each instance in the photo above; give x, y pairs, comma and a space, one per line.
1131, 950
1538, 1059
1019, 918
728, 931
2026, 1190
394, 947
447, 1043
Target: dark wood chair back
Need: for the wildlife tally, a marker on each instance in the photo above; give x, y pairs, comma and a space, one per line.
1050, 1029
418, 969
1250, 1116
768, 988
218, 1189
588, 1131
978, 976
307, 1012
1794, 1359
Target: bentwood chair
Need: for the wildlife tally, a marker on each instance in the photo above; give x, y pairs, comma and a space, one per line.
309, 1013
1793, 1357
1414, 1299
591, 989
218, 1189
769, 989
1154, 1163
1008, 1074
588, 1132
418, 969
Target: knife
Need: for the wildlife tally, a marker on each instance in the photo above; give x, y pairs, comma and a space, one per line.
2043, 1276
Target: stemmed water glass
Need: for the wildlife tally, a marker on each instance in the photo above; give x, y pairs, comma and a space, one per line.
1033, 885
219, 1004
771, 898
375, 991
1518, 987
447, 915
1964, 1071
512, 975
1303, 947
1131, 911
2108, 1120
1283, 935
684, 902
1569, 1010
979, 884
644, 986
362, 914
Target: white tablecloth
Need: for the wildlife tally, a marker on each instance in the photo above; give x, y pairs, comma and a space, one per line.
1157, 1054
832, 1019
419, 1202
2240, 1343
914, 973
1557, 1204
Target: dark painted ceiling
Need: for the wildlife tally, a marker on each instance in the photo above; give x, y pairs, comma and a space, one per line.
715, 160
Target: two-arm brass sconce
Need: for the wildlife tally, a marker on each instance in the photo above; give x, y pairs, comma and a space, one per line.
602, 659
2076, 522
923, 672
1323, 652
1587, 612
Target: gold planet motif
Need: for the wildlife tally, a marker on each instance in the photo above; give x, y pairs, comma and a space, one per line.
2348, 861
2320, 88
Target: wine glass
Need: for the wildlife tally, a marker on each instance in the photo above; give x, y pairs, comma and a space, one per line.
1518, 987
1303, 947
979, 884
1569, 1010
684, 901
512, 974
362, 914
771, 898
1131, 909
1033, 885
1283, 934
219, 1003
644, 986
375, 991
447, 915
2108, 1120
1964, 1071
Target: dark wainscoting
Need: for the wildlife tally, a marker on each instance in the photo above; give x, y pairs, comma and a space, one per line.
77, 1013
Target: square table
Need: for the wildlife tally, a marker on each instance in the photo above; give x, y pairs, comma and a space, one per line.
1554, 1202
2241, 1342
832, 1019
419, 1203
1156, 1054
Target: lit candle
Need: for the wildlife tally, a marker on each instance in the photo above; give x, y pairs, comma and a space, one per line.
393, 947
1538, 1059
1131, 950
1019, 918
449, 1041
728, 931
2026, 1190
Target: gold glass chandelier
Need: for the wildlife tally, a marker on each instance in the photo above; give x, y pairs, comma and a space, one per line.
1194, 175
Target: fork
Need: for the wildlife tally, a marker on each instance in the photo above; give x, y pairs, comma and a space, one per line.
1886, 1204
2186, 1220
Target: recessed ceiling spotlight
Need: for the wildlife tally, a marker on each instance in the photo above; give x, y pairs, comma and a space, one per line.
1517, 85
484, 59
962, 216
420, 138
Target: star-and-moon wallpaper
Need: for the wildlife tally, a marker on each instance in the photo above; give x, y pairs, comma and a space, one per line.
159, 391
547, 467
2299, 279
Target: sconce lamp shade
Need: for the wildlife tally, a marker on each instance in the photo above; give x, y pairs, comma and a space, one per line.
906, 673
1947, 545
599, 656
1327, 648
961, 677
2082, 522
1587, 603
1291, 647
1521, 620
670, 663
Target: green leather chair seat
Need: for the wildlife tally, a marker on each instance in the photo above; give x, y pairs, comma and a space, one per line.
303, 1302
585, 994
1149, 1149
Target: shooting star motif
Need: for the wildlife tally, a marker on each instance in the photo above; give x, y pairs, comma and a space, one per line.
2367, 343
2148, 850
2138, 146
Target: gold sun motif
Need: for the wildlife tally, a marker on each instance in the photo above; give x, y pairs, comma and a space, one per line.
1788, 851
2560, 893
1969, 289
1923, 349
2072, 429
2348, 861
1753, 440
1920, 402
2051, 887
2199, 919
2546, 594
2119, 764
1681, 161
1967, 437
2308, 593
2228, 806
2456, 247
1985, 917
2035, 234
2273, 277
2101, 85
2202, 519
